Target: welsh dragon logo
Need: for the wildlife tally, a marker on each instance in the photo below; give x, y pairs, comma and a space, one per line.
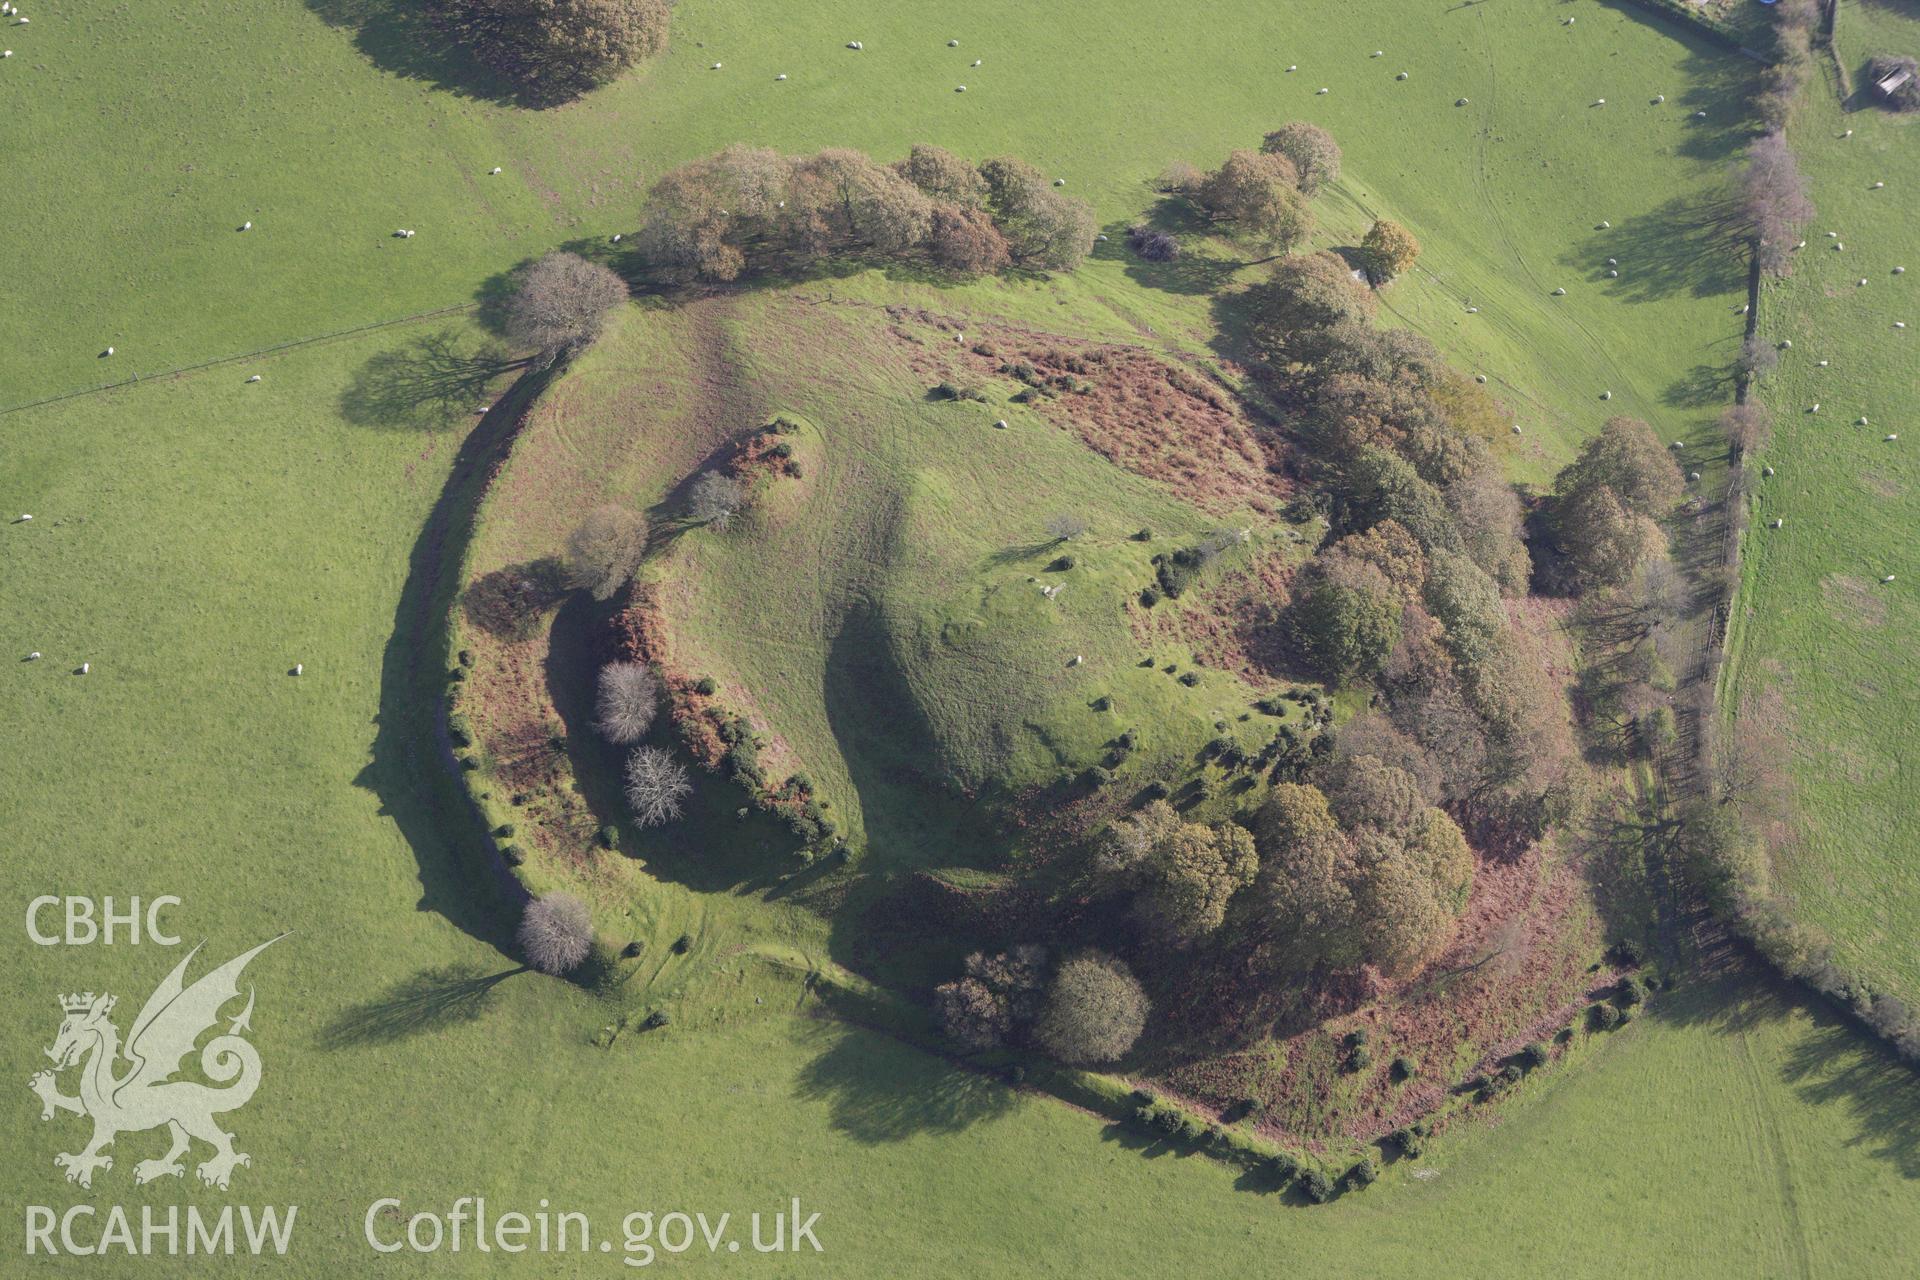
144, 1094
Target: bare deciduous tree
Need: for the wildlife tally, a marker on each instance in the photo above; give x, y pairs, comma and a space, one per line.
560, 303
1773, 202
714, 499
1065, 526
605, 551
629, 696
657, 785
556, 932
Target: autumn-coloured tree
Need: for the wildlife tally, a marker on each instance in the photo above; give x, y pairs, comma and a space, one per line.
1389, 248
1043, 227
1258, 195
943, 176
1313, 152
1189, 877
555, 49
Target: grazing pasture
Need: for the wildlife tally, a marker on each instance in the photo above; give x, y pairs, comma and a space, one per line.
1822, 659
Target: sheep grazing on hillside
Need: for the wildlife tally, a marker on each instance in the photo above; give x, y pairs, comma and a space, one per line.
1814, 407
960, 89
493, 171
1898, 324
1604, 225
616, 237
6, 53
1823, 364
1786, 344
781, 76
1878, 185
1767, 472
1473, 311
34, 656
107, 352
1479, 377
855, 44
1777, 523
299, 668
254, 378
1659, 97
1599, 102
1699, 115
1559, 293
1077, 660
1401, 76
1379, 53
247, 225
1888, 578
1606, 395
1613, 273
976, 62
1847, 134
1890, 437
1000, 425
1863, 281
953, 44
24, 519
85, 667
1460, 102
1899, 271
1319, 91
1293, 68
1861, 421
715, 67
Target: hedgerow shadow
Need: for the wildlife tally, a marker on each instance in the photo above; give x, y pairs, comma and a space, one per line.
1690, 245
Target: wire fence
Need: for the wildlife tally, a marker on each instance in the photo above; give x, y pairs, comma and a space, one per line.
137, 378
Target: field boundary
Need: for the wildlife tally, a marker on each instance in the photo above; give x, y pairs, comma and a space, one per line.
277, 347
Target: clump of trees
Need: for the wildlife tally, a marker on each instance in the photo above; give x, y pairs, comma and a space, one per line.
1780, 83
556, 933
1256, 195
1181, 874
628, 699
555, 50
605, 550
560, 303
657, 786
1389, 249
1095, 1010
1607, 503
749, 210
997, 998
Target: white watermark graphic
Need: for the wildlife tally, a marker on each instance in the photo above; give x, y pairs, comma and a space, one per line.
469, 1224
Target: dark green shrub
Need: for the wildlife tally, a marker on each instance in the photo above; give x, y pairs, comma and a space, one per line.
1155, 790
1603, 1017
1097, 776
1145, 535
1631, 991
1061, 564
1536, 1054
469, 762
1403, 1068
1149, 597
459, 731
609, 836
1190, 679
1192, 1128
504, 831
466, 657
683, 944
1409, 1142
707, 687
1281, 1168
1103, 703
655, 1020
1360, 1057
513, 855
457, 674
633, 949
1363, 1174
1129, 741
1316, 1186
1168, 1121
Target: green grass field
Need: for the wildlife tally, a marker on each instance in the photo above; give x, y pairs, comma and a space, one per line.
1822, 648
196, 536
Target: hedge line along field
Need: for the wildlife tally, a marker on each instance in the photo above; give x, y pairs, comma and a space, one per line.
209, 126
197, 536
1822, 658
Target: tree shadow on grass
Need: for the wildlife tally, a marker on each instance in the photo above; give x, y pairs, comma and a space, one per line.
1866, 1092
1690, 245
431, 1000
431, 383
1190, 273
396, 36
874, 1105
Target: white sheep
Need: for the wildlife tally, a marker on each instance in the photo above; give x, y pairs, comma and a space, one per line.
1000, 424
1888, 578
1786, 344
1678, 444
1777, 523
781, 76
34, 656
1899, 271
953, 44
855, 44
1899, 324
1379, 53
1599, 102
1559, 293
1077, 660
299, 668
1605, 225
6, 53
1693, 475
1814, 407
1059, 182
1878, 185
1847, 134
1606, 395
247, 225
85, 667
716, 66
1823, 364
1801, 245
1659, 97
976, 62
1699, 115
1767, 472
1863, 282
960, 89
254, 378
493, 171
1401, 76
1479, 377
1861, 421
1741, 309
1838, 246
1319, 91
1460, 102
109, 351
1473, 311
24, 519
1293, 68
1516, 428
616, 237
1613, 273
1890, 437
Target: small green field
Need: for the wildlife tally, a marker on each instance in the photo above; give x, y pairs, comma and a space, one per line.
1822, 652
196, 536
